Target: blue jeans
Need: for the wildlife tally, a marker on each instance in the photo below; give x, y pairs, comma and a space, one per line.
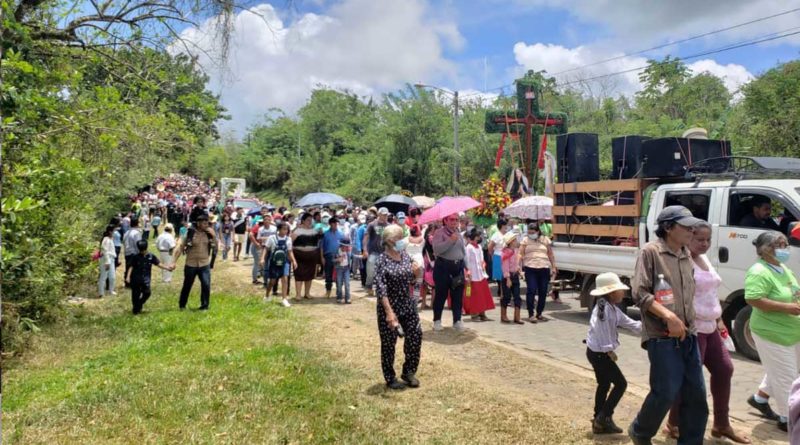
330, 264
536, 282
256, 252
226, 242
189, 274
343, 283
675, 368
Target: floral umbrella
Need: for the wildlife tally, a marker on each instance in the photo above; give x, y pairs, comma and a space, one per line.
531, 207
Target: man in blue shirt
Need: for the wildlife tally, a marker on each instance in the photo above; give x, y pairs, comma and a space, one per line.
330, 248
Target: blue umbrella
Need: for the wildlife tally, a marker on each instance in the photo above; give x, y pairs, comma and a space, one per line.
320, 199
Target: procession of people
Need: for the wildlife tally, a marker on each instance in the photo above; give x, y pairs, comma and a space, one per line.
400, 257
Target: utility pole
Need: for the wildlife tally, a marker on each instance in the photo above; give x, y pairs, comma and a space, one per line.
455, 143
457, 154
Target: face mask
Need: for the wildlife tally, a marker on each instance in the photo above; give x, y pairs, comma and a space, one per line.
400, 245
782, 255
533, 236
325, 220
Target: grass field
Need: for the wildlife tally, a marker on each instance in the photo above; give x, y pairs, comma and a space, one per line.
243, 372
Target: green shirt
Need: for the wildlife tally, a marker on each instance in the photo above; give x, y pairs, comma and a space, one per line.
763, 282
546, 229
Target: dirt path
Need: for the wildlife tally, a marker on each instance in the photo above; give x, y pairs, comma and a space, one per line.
492, 392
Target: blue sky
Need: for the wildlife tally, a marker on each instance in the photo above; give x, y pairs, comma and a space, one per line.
281, 51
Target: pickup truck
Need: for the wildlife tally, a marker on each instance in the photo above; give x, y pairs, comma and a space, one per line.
721, 202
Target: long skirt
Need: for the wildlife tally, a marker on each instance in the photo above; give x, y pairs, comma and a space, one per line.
307, 262
497, 268
480, 298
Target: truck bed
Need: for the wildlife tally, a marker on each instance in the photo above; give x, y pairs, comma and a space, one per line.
595, 259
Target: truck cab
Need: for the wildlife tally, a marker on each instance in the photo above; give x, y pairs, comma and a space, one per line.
725, 204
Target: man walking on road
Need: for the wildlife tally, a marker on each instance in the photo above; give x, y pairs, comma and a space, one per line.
198, 259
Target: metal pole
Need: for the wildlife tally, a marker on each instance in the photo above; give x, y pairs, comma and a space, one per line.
455, 143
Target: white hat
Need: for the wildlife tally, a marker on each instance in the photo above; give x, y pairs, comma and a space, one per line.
605, 283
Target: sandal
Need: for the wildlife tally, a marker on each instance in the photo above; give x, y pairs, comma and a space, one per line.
730, 434
542, 318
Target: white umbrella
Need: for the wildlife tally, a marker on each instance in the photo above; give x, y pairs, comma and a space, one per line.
424, 201
531, 207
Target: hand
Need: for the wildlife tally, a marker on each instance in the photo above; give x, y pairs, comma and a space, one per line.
294, 265
364, 255
108, 267
508, 282
793, 308
721, 326
391, 320
455, 236
415, 268
676, 328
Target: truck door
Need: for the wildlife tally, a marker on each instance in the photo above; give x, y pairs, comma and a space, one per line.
735, 250
704, 203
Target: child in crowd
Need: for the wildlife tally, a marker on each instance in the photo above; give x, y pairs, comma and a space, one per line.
477, 295
343, 260
139, 275
602, 340
277, 258
184, 231
510, 283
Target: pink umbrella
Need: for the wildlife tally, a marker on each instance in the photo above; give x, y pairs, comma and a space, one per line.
447, 206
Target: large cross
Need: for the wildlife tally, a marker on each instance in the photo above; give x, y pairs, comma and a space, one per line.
527, 117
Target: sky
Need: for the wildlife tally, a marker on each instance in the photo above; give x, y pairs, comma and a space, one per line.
282, 50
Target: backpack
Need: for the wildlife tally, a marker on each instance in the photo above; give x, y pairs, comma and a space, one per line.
280, 254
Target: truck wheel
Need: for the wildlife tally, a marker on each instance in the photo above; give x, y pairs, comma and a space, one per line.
742, 336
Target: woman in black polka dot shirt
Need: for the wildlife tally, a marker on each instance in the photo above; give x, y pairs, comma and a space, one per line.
395, 273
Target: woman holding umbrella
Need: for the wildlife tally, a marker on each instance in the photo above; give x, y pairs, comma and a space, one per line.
448, 271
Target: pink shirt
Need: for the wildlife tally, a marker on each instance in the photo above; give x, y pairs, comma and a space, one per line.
510, 261
706, 300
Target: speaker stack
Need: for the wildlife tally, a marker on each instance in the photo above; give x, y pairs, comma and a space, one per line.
670, 157
578, 157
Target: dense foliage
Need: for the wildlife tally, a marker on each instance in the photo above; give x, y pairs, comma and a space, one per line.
350, 145
82, 128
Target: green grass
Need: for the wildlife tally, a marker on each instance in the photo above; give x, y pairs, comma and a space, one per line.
235, 374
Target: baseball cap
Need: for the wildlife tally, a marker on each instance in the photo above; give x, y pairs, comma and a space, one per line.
383, 211
401, 215
679, 214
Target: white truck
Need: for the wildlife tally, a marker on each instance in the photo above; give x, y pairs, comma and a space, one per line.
720, 201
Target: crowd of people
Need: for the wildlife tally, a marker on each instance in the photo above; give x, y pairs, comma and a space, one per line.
401, 262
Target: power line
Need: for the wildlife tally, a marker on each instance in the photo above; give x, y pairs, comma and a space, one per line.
694, 56
658, 47
678, 42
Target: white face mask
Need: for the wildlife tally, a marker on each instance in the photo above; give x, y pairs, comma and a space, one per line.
533, 236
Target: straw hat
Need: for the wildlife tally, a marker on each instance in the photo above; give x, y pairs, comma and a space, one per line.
508, 237
605, 283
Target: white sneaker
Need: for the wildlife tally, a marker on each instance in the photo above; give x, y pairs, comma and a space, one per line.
113, 294
286, 303
459, 326
267, 299
437, 325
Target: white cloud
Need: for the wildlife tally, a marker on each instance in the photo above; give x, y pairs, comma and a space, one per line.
567, 65
732, 74
635, 24
361, 45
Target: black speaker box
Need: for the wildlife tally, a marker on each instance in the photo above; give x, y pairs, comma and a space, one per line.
670, 157
578, 157
626, 152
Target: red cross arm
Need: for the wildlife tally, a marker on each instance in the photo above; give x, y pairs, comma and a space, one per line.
529, 120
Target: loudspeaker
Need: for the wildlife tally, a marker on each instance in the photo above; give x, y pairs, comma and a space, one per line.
626, 153
670, 157
578, 157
